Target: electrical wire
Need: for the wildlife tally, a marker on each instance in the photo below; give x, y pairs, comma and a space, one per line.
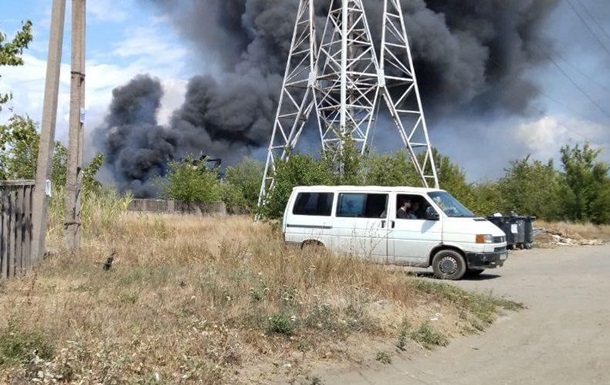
581, 72
579, 87
588, 27
601, 28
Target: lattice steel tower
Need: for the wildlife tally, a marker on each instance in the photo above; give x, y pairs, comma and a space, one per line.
341, 76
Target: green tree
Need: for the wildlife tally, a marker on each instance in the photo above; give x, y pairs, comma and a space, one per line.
486, 198
19, 142
90, 171
242, 184
585, 193
345, 163
298, 170
18, 148
190, 181
11, 51
531, 187
391, 170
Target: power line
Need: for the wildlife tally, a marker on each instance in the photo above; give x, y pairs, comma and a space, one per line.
550, 57
588, 27
566, 107
601, 28
579, 87
581, 72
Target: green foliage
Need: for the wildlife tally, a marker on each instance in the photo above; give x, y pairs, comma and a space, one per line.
19, 144
100, 208
486, 199
17, 345
11, 51
280, 323
89, 172
587, 184
428, 337
242, 184
529, 187
60, 165
190, 181
298, 170
18, 148
391, 170
383, 357
403, 333
345, 163
532, 188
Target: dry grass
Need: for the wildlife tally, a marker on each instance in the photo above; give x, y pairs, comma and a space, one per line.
579, 232
192, 300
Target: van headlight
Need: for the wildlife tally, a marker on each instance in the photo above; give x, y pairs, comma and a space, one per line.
485, 238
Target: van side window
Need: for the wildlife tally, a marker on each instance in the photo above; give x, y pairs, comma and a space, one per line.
362, 205
410, 206
316, 204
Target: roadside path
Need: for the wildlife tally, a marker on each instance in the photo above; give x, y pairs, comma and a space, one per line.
561, 338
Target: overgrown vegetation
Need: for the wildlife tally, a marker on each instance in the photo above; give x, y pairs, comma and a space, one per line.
230, 306
579, 192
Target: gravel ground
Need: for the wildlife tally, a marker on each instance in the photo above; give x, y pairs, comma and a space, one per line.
561, 338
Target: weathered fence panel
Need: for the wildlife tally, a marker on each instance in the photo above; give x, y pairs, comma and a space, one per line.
174, 207
15, 227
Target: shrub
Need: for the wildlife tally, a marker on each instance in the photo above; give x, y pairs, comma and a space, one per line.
190, 181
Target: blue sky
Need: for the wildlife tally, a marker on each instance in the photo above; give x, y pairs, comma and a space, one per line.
122, 41
125, 38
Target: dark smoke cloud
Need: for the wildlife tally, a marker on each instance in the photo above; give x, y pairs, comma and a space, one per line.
136, 148
469, 55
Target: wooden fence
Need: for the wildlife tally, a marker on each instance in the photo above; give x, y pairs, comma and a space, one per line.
174, 207
15, 227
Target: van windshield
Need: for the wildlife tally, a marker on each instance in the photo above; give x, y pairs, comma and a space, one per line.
450, 206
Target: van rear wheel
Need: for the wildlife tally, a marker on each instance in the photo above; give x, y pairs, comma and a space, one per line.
448, 264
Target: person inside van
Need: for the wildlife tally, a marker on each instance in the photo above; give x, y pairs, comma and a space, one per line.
414, 212
404, 209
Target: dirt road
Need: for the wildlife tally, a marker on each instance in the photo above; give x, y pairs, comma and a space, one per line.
561, 338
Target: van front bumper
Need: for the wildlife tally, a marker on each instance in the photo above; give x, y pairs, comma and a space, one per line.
487, 260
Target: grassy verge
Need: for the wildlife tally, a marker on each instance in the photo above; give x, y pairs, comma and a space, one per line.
579, 232
192, 300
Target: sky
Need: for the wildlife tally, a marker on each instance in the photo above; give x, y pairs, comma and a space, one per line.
131, 37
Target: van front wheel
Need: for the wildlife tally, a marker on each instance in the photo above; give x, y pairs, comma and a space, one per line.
449, 264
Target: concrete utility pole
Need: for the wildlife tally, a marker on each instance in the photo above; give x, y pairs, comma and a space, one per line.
47, 134
74, 176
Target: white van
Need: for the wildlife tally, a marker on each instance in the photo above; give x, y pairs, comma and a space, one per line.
364, 221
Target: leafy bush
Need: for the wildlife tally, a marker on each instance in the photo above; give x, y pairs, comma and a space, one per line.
280, 323
190, 181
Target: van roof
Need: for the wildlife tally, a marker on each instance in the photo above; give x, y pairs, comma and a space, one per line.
366, 188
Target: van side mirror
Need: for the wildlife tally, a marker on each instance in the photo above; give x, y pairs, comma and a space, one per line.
431, 214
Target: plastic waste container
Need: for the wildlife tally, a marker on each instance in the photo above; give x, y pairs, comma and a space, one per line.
518, 229
528, 241
504, 223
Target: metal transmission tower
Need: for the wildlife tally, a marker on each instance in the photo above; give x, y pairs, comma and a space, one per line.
296, 99
345, 81
399, 87
347, 87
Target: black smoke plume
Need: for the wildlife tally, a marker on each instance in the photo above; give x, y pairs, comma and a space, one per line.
470, 57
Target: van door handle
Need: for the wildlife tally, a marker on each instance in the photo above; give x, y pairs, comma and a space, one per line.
393, 224
383, 224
